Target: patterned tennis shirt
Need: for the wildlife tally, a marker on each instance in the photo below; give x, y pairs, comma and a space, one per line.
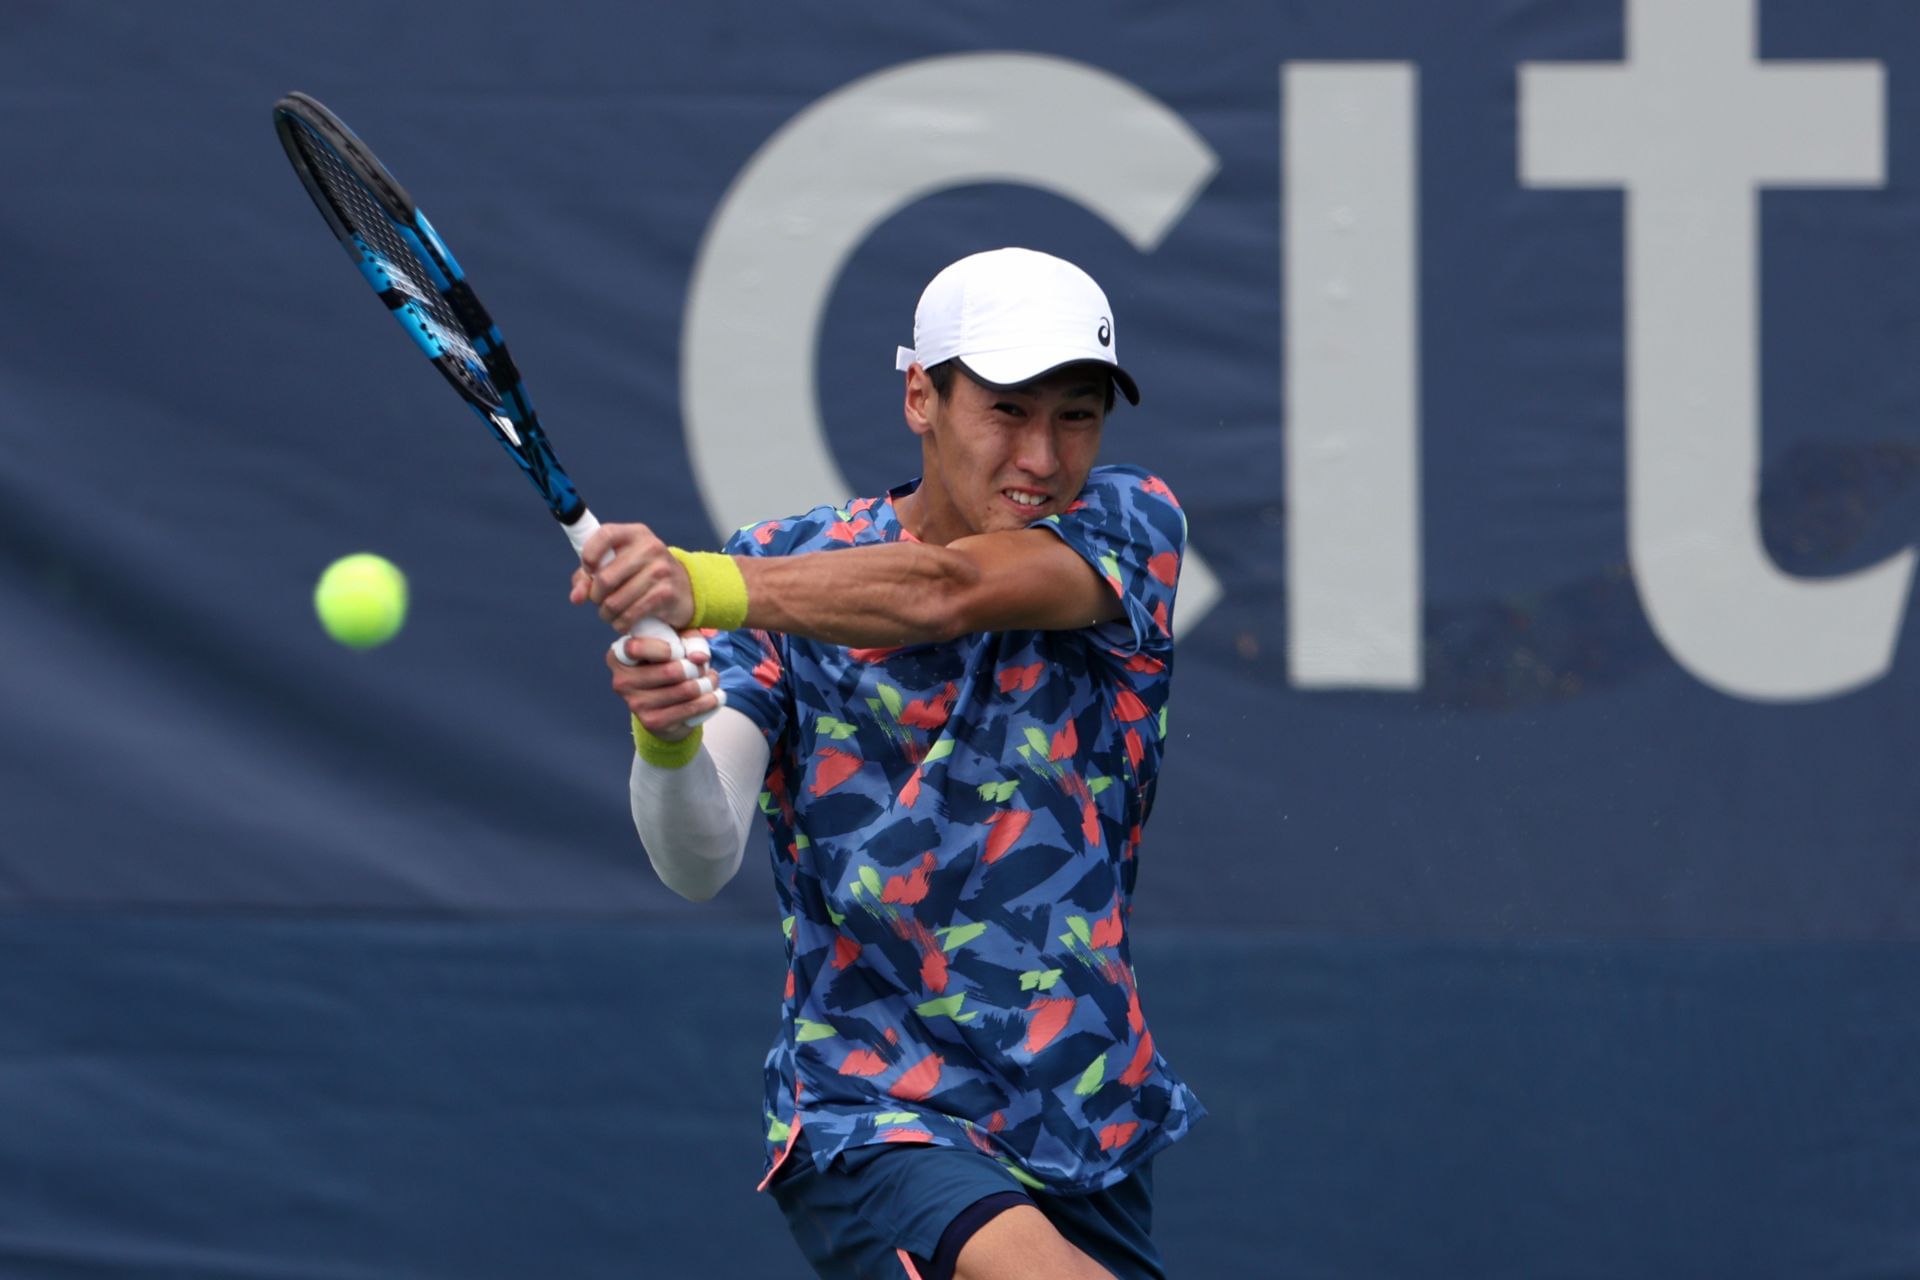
955, 835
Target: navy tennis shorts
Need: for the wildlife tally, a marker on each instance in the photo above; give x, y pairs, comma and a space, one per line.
902, 1211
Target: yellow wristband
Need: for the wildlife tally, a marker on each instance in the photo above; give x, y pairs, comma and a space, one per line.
719, 592
661, 753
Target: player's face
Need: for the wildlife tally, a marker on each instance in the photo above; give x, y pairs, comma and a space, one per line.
998, 460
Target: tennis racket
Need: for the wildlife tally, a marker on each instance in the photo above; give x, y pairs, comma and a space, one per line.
409, 266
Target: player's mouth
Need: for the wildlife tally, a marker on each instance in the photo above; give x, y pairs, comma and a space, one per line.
1025, 499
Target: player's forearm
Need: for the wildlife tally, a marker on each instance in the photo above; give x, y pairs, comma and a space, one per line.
864, 597
681, 817
694, 820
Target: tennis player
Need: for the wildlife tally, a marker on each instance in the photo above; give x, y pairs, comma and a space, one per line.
947, 706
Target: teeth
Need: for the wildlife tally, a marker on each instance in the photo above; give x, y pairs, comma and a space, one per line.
1026, 500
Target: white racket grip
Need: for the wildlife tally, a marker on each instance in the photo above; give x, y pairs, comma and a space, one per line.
655, 628
719, 694
577, 533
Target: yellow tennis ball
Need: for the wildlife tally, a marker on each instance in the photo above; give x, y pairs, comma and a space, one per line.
361, 600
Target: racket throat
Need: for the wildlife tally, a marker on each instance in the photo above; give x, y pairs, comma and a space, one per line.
504, 425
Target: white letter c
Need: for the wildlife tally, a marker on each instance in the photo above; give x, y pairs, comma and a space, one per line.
808, 199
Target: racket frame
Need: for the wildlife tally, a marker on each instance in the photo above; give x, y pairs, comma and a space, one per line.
501, 401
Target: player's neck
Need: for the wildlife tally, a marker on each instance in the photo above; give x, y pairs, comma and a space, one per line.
927, 517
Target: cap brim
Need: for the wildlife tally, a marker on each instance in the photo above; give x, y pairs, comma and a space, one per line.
1011, 370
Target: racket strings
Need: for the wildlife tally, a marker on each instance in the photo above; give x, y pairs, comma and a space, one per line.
382, 245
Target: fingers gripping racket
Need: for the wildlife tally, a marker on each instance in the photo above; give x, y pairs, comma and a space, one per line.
410, 268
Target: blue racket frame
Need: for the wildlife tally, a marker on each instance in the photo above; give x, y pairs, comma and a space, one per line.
423, 286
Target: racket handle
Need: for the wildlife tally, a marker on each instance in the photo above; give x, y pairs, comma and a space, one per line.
654, 627
649, 628
578, 532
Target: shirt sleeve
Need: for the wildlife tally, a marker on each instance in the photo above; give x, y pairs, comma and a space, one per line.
1128, 525
752, 665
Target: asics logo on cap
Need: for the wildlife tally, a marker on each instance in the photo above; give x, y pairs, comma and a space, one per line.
1106, 332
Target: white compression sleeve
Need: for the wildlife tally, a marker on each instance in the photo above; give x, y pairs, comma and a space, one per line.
695, 820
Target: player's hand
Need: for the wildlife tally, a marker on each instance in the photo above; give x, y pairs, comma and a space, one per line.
663, 691
627, 572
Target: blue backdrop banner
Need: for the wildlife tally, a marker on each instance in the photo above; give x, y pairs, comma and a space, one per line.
1534, 595
1537, 382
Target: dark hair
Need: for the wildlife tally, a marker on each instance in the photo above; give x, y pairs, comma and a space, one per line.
942, 374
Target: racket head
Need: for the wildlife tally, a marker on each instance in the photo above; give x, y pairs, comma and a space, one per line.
411, 270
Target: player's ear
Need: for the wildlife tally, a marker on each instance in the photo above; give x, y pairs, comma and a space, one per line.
920, 399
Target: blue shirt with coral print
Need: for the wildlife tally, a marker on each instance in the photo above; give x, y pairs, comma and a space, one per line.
956, 829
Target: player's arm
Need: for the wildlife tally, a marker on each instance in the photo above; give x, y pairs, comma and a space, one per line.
863, 597
912, 593
695, 820
693, 798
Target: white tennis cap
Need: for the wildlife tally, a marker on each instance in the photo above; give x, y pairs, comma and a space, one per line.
1013, 315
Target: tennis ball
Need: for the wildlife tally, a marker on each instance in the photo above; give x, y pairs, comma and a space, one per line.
361, 600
